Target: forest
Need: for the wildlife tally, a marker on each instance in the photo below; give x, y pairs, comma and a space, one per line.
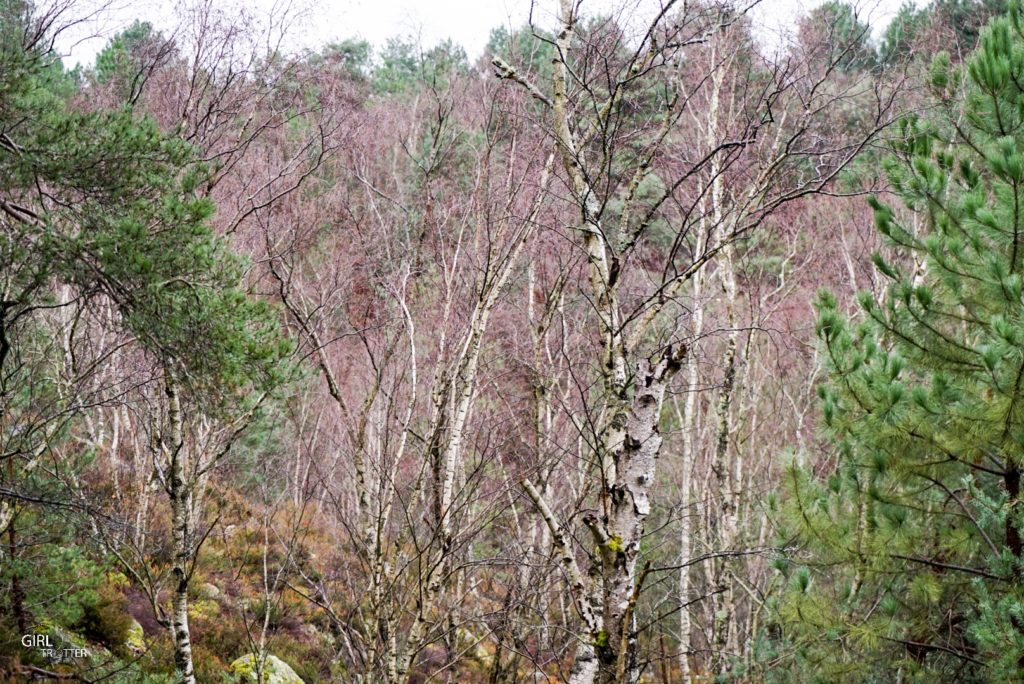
648, 346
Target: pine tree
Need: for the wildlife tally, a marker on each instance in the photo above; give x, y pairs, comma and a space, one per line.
103, 205
914, 540
905, 28
107, 204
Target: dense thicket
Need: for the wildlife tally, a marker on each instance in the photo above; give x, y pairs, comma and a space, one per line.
362, 365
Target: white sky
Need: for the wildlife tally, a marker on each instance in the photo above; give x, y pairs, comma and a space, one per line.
467, 22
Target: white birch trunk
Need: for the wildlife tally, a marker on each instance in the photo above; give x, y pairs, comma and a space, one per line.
690, 425
180, 496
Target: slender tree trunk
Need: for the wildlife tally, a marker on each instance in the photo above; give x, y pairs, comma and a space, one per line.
9, 512
1013, 534
724, 518
585, 592
690, 440
1011, 479
180, 496
17, 592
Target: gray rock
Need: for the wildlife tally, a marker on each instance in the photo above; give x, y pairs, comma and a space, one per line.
209, 591
275, 670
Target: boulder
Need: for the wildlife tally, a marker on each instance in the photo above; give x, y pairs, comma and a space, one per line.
208, 591
60, 645
275, 671
136, 641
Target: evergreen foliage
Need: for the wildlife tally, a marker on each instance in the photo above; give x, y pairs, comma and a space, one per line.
916, 557
351, 56
964, 19
402, 64
106, 203
531, 51
902, 32
122, 58
848, 38
967, 17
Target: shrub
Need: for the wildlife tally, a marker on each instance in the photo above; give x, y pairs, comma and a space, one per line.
106, 619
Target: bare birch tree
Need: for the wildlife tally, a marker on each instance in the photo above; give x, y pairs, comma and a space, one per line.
738, 164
